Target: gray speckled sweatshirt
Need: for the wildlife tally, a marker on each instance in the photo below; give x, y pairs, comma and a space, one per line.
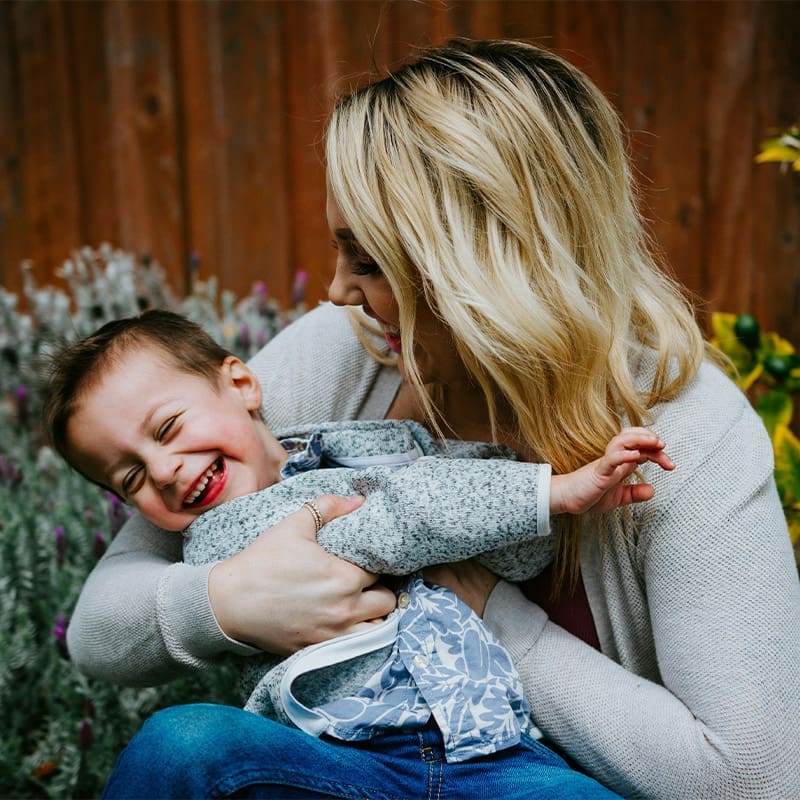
427, 502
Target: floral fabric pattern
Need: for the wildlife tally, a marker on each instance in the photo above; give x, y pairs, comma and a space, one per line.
445, 664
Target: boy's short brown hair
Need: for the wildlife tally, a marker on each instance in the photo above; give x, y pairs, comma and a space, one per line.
78, 366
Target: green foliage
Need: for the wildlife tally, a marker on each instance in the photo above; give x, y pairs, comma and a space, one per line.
767, 368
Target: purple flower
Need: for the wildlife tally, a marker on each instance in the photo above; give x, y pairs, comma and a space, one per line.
61, 544
244, 337
299, 287
194, 261
260, 296
59, 634
116, 513
99, 545
85, 735
23, 408
10, 473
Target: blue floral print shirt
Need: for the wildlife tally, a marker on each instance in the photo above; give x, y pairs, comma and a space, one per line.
447, 665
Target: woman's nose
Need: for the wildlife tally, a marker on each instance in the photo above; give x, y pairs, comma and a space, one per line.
344, 290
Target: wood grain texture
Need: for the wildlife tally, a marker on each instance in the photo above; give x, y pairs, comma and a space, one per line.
196, 127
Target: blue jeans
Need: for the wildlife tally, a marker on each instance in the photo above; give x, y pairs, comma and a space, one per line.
207, 751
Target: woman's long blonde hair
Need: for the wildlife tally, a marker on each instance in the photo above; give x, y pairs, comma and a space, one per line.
492, 178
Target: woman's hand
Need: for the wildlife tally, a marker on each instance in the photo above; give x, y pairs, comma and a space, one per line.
471, 581
284, 592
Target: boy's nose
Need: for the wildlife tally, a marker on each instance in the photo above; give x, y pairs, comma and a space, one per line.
164, 470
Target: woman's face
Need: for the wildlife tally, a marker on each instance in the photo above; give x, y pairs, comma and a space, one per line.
359, 281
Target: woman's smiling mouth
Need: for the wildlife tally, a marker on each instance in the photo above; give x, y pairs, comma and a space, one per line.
392, 335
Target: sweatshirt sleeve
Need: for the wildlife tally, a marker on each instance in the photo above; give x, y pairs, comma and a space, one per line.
143, 616
438, 510
697, 693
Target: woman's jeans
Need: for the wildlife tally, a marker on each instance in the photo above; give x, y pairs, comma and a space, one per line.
205, 751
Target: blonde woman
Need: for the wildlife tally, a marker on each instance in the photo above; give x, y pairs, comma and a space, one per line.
482, 207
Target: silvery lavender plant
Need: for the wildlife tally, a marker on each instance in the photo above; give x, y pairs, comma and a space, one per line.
62, 731
104, 284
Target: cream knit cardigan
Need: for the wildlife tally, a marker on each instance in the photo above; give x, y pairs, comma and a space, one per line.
696, 693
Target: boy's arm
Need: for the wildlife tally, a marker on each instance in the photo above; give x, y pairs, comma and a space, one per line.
439, 510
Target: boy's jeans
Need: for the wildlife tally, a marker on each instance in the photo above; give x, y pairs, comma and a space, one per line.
207, 751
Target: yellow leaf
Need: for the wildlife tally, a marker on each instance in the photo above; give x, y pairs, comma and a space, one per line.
776, 409
772, 343
787, 464
749, 379
794, 530
724, 339
777, 153
722, 323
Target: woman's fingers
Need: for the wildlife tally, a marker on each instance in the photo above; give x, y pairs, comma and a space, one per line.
284, 591
313, 514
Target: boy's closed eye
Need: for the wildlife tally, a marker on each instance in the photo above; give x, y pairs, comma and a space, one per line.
132, 482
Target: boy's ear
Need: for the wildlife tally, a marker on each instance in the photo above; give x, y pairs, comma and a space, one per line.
239, 376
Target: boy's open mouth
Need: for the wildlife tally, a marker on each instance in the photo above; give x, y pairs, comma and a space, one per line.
202, 490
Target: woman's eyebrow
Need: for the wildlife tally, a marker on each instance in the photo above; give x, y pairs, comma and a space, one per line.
344, 233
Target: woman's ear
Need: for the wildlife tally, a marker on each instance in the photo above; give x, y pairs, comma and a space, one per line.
240, 377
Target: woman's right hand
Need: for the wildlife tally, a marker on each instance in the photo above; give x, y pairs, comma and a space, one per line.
284, 592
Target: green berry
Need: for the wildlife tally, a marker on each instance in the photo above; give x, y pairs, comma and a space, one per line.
747, 331
778, 366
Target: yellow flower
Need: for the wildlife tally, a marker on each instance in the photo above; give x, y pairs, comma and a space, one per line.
784, 149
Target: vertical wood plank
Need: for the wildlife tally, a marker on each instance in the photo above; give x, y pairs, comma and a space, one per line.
13, 221
143, 131
207, 213
729, 131
662, 100
256, 228
531, 21
307, 112
774, 196
51, 226
98, 205
588, 35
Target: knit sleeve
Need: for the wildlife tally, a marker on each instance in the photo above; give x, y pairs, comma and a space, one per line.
142, 618
697, 693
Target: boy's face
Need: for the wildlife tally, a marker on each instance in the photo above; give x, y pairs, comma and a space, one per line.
169, 442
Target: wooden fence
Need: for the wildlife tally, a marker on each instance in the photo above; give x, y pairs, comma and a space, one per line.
195, 126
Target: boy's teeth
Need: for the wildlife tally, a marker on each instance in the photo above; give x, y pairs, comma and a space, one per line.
202, 485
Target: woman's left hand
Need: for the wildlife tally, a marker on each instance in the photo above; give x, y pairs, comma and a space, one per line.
470, 580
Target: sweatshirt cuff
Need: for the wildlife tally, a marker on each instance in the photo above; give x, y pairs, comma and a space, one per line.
191, 632
543, 483
513, 619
